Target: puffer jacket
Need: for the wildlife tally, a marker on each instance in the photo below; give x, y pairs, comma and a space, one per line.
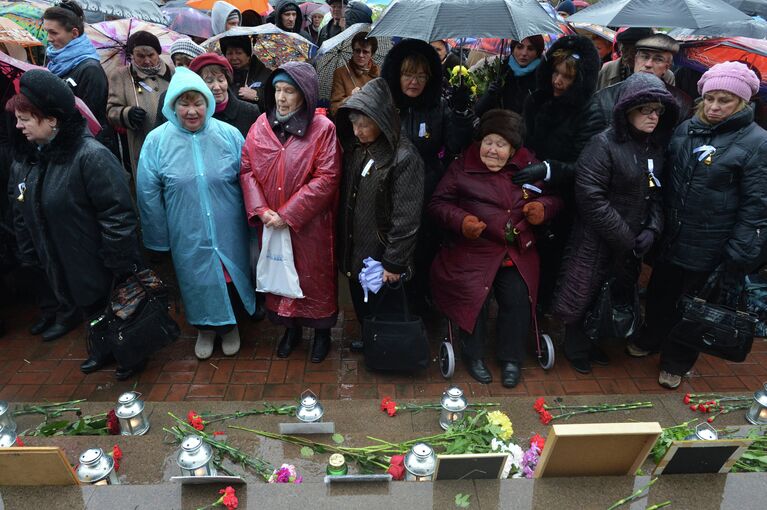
380, 213
716, 209
614, 200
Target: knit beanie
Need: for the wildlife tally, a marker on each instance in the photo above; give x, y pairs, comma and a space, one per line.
186, 47
733, 77
234, 16
143, 38
48, 93
240, 41
566, 6
212, 59
505, 123
284, 77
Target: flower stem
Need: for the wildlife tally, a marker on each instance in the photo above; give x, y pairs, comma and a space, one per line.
633, 496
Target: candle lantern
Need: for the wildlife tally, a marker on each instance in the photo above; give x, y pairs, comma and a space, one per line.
195, 457
130, 412
453, 406
7, 437
6, 416
757, 414
97, 468
420, 463
309, 409
703, 432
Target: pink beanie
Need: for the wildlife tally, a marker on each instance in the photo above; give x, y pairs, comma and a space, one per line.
733, 77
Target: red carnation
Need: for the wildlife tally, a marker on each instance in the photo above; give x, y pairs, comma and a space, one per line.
19, 442
397, 467
710, 419
113, 424
686, 399
117, 455
391, 408
195, 420
229, 499
538, 441
385, 402
540, 404
546, 417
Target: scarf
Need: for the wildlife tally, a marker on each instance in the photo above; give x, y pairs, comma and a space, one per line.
520, 71
220, 107
148, 71
79, 49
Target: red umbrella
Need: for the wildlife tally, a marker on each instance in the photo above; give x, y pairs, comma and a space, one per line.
13, 69
701, 55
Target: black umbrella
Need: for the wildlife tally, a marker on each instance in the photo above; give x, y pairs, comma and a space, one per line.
750, 7
755, 29
659, 13
430, 20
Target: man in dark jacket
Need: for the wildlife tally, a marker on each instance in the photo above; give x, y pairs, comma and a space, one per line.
381, 195
344, 16
287, 16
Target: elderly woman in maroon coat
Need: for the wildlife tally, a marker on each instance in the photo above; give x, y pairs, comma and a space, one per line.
492, 244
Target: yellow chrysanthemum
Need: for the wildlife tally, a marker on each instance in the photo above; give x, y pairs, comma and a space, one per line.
501, 420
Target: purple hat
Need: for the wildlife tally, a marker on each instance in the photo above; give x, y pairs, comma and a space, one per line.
732, 77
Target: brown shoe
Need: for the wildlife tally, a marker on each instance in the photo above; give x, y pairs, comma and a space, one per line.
668, 380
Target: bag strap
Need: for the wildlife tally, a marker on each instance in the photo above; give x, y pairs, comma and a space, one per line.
397, 286
711, 282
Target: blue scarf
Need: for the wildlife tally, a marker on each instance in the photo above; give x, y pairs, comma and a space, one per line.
61, 62
520, 71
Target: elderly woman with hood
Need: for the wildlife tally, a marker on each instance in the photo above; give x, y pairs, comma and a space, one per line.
291, 170
224, 16
619, 206
381, 195
191, 205
413, 71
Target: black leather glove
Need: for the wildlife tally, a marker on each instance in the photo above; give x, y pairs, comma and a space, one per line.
494, 87
461, 98
533, 173
136, 116
643, 242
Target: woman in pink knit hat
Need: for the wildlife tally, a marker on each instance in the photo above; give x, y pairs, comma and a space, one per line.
715, 201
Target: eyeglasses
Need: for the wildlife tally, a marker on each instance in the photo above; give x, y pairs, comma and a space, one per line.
655, 58
649, 109
420, 78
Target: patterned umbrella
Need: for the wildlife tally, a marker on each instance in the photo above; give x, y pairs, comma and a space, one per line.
28, 16
110, 38
12, 33
186, 20
272, 46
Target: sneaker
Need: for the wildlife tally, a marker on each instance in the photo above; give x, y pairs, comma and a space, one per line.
230, 342
668, 380
635, 351
203, 349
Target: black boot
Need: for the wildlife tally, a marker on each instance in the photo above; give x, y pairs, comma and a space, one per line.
41, 324
510, 374
260, 312
321, 345
290, 339
478, 370
122, 374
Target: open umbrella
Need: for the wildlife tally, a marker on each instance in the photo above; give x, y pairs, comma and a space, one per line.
754, 28
659, 13
11, 33
189, 21
259, 6
145, 10
336, 52
28, 16
429, 20
272, 46
750, 7
702, 55
110, 38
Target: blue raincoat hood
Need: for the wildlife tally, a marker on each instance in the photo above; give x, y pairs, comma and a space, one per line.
184, 81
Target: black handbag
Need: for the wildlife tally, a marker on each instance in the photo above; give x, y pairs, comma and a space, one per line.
395, 341
148, 327
611, 318
716, 329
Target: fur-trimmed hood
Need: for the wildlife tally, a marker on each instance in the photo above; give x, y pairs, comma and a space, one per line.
639, 89
391, 72
71, 134
586, 77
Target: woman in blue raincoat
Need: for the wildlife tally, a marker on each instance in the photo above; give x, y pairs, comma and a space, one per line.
191, 203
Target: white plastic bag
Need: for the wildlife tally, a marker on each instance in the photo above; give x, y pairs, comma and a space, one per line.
276, 271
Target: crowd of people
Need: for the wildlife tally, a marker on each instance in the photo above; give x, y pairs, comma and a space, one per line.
570, 170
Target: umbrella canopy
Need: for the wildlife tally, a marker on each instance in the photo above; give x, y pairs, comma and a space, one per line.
110, 38
429, 20
598, 30
28, 16
754, 29
659, 13
12, 33
336, 52
189, 21
145, 10
701, 55
260, 6
272, 46
750, 7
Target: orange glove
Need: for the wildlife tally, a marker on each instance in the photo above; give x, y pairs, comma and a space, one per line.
533, 211
472, 228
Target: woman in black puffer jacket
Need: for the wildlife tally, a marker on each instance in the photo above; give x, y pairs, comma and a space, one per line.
715, 199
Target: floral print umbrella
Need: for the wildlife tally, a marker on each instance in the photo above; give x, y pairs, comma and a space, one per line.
272, 46
28, 15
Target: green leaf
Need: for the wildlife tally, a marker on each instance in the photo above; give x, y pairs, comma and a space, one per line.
307, 452
462, 500
338, 438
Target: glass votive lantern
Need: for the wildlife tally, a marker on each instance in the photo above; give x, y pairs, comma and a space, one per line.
420, 463
195, 457
97, 468
6, 416
309, 409
453, 406
703, 432
757, 413
130, 412
7, 437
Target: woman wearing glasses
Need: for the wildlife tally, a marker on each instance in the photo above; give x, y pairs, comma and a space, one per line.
617, 195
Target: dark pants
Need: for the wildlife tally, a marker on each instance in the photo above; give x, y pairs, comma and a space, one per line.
667, 284
52, 306
237, 306
513, 322
386, 301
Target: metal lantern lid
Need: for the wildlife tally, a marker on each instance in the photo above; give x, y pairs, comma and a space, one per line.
760, 396
94, 465
7, 437
129, 405
453, 400
420, 460
3, 407
6, 416
310, 409
195, 453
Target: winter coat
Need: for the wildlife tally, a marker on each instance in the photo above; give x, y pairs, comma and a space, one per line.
238, 113
615, 71
511, 96
380, 212
346, 79
89, 82
221, 10
558, 128
191, 204
275, 17
716, 212
614, 200
356, 12
299, 180
77, 220
438, 133
464, 269
255, 77
129, 88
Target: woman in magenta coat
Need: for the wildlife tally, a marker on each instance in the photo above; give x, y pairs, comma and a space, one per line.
492, 244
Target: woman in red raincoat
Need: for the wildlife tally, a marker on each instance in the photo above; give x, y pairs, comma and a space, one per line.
290, 174
491, 246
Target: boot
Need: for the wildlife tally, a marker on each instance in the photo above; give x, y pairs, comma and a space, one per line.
203, 349
289, 341
230, 342
321, 345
